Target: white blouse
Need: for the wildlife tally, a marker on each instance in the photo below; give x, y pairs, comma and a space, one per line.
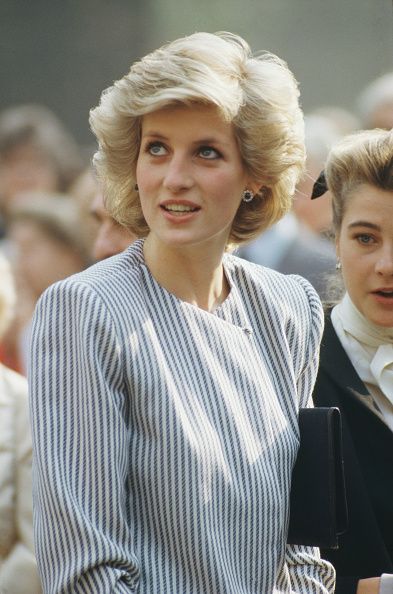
370, 350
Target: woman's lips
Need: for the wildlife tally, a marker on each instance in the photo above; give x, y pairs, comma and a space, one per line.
383, 296
386, 292
179, 209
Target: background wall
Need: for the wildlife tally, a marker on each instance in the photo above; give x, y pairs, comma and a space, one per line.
64, 53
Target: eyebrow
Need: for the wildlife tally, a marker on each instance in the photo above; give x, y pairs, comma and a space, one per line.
366, 224
155, 134
200, 141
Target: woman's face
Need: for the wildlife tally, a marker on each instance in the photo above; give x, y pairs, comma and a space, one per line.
25, 169
365, 248
110, 237
190, 176
41, 260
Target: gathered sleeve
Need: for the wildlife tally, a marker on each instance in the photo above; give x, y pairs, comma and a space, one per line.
81, 441
311, 336
309, 574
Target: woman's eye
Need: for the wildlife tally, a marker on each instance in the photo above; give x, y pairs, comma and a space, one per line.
156, 149
207, 152
365, 239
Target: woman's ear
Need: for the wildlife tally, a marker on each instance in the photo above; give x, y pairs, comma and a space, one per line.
254, 186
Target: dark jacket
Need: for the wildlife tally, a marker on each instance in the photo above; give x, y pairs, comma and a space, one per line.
366, 549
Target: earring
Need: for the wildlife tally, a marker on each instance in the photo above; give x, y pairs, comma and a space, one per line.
136, 188
338, 264
247, 196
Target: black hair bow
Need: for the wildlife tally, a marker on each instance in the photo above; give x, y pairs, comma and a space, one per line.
320, 186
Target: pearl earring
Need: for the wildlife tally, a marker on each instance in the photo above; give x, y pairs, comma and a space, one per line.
247, 196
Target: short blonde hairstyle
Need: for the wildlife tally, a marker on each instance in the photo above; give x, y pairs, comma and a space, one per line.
365, 157
257, 94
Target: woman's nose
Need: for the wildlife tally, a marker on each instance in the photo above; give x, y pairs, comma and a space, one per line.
384, 265
178, 174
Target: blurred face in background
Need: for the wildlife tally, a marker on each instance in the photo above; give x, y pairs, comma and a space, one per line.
315, 214
111, 238
39, 258
365, 248
22, 169
382, 117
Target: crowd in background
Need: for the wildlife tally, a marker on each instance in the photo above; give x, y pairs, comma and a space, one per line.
53, 220
53, 223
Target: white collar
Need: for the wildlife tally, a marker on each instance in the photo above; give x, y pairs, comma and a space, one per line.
368, 346
355, 324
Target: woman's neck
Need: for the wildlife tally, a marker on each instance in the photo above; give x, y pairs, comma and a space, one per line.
193, 275
358, 325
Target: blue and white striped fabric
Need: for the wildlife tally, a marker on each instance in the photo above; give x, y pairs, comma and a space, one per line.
165, 435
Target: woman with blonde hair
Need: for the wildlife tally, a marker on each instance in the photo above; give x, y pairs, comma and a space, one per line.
166, 380
356, 369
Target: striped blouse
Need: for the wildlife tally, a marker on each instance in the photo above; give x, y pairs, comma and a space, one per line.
165, 435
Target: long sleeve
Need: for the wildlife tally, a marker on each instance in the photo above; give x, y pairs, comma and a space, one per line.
80, 441
164, 435
308, 572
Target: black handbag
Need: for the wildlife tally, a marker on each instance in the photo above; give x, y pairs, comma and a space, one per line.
318, 505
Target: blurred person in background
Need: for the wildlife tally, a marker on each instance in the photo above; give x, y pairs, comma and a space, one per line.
83, 191
111, 237
343, 120
375, 103
356, 360
37, 153
321, 133
18, 570
47, 244
106, 236
292, 248
296, 244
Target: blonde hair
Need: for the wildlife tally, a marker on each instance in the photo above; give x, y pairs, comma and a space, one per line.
365, 157
257, 94
7, 294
